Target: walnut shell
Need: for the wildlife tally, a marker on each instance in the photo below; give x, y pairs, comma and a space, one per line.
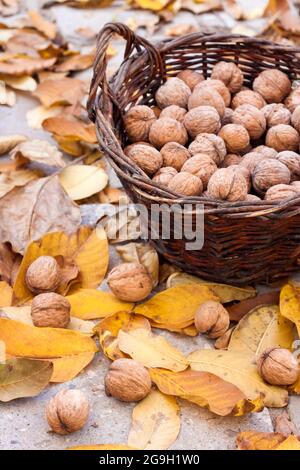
283, 137
212, 319
174, 112
145, 156
206, 96
166, 130
268, 173
235, 136
229, 74
267, 152
248, 97
231, 159
200, 165
293, 100
210, 144
190, 77
164, 175
251, 118
250, 160
218, 86
278, 366
174, 155
43, 275
296, 119
156, 110
127, 380
276, 113
50, 310
291, 160
296, 185
130, 282
252, 198
186, 184
173, 91
204, 119
280, 192
245, 172
67, 411
229, 185
273, 85
227, 118
137, 122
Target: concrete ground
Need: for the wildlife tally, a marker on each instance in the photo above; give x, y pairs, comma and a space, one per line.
22, 422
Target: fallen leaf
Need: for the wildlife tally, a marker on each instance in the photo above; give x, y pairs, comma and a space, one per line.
57, 92
20, 378
223, 341
67, 145
5, 294
9, 142
39, 151
151, 350
16, 178
39, 207
71, 128
254, 440
9, 261
89, 304
25, 65
240, 370
9, 7
112, 196
239, 310
23, 83
155, 422
41, 24
144, 254
81, 181
75, 63
2, 352
36, 116
180, 29
7, 97
290, 304
102, 447
154, 5
67, 367
206, 390
284, 425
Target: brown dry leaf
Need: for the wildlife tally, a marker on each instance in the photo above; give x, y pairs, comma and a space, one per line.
239, 310
151, 350
49, 75
75, 63
36, 116
284, 425
275, 7
206, 390
16, 178
8, 142
144, 254
67, 145
180, 30
24, 83
39, 151
24, 65
39, 207
7, 97
111, 195
201, 6
254, 440
41, 24
61, 91
71, 128
9, 7
8, 261
155, 422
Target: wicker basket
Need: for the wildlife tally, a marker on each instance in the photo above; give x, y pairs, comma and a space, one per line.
245, 242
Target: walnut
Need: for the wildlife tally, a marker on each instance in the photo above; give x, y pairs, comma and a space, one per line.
137, 122
127, 380
245, 172
293, 100
226, 184
156, 110
252, 198
269, 172
174, 112
67, 411
210, 144
130, 282
200, 165
166, 130
296, 119
227, 117
207, 96
229, 74
173, 91
250, 160
273, 85
235, 136
212, 319
276, 113
186, 184
283, 137
278, 366
296, 185
267, 152
248, 97
146, 157
280, 192
204, 119
231, 159
291, 160
50, 310
174, 155
218, 86
43, 275
164, 175
190, 77
251, 118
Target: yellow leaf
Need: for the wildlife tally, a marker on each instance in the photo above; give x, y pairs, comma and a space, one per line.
81, 181
154, 5
25, 83
239, 369
102, 447
71, 128
225, 292
260, 329
176, 305
254, 440
155, 422
67, 367
42, 343
151, 350
189, 330
206, 390
109, 328
290, 304
89, 304
6, 293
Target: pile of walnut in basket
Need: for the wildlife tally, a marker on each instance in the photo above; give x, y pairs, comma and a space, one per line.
218, 138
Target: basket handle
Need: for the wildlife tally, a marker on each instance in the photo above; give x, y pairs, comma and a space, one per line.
133, 41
